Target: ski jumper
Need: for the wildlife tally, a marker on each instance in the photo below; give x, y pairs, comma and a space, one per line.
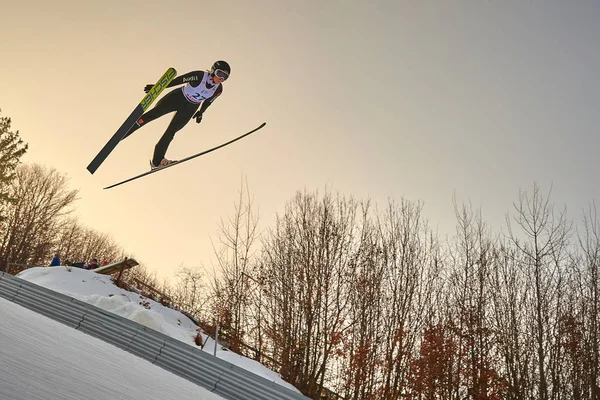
199, 89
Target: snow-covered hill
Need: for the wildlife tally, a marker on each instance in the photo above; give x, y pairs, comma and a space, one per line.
100, 291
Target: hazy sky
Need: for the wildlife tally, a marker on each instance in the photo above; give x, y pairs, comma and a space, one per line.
374, 99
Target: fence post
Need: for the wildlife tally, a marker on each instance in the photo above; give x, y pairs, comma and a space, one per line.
216, 338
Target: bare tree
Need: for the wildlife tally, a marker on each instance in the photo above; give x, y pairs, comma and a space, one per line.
75, 242
232, 282
509, 303
410, 257
189, 292
588, 291
543, 250
473, 262
306, 285
364, 338
42, 198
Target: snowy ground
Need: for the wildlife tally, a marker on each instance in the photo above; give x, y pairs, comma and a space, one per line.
41, 359
99, 290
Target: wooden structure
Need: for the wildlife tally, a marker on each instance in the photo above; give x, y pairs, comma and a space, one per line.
119, 267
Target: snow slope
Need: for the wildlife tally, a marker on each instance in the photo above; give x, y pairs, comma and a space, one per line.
100, 291
42, 359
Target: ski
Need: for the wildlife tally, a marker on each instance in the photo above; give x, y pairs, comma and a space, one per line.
148, 99
187, 158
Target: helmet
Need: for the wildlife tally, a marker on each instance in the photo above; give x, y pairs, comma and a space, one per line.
220, 65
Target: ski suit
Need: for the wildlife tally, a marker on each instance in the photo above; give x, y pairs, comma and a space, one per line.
199, 89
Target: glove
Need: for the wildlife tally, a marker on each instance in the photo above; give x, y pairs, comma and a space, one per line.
148, 88
198, 117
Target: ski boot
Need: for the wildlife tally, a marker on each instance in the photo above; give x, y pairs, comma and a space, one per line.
162, 164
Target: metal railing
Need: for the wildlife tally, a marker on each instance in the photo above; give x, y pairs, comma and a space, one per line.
191, 363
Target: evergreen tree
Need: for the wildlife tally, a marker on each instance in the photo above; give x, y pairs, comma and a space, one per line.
12, 149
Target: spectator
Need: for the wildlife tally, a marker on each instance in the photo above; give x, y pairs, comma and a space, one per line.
93, 264
55, 261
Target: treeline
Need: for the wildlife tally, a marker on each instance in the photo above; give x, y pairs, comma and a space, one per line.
371, 304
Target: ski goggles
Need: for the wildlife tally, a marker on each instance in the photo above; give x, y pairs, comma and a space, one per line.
219, 73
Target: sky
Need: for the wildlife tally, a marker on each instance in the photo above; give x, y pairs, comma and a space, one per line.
59, 351
377, 100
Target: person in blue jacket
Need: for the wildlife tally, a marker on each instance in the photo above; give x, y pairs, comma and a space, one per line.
55, 261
